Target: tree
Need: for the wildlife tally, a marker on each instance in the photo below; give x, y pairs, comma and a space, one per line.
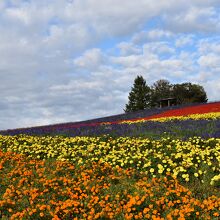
142, 96
161, 89
189, 93
180, 92
139, 97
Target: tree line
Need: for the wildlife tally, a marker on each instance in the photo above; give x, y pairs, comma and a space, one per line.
143, 96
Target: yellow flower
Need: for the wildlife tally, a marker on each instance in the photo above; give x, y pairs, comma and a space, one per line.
196, 174
151, 170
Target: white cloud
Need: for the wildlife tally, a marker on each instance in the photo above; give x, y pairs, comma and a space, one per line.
74, 38
126, 61
209, 45
213, 88
157, 34
152, 35
204, 20
211, 61
73, 60
184, 41
128, 49
158, 48
112, 18
91, 59
18, 14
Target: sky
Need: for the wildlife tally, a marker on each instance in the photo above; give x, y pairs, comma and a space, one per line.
72, 60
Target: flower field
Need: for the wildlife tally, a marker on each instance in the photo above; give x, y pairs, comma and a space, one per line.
200, 120
195, 112
162, 167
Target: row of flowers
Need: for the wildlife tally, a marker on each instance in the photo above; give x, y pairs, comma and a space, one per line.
205, 116
203, 125
145, 115
42, 189
188, 160
185, 111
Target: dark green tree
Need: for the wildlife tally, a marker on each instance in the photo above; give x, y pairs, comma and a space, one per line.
139, 97
189, 93
180, 92
161, 89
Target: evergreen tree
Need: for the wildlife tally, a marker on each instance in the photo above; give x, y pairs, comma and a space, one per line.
139, 97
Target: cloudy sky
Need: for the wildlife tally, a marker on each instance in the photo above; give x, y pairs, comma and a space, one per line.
71, 60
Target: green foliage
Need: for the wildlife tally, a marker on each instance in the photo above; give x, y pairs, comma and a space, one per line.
139, 97
161, 89
189, 93
142, 96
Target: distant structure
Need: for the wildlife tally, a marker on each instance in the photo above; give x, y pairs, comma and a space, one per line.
167, 102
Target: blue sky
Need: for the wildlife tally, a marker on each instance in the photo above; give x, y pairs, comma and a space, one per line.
63, 61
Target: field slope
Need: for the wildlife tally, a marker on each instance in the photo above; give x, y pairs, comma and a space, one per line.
158, 164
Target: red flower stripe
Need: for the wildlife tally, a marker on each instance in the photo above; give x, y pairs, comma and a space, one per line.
199, 109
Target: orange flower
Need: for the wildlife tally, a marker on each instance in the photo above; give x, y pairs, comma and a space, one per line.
55, 217
154, 212
151, 206
216, 214
146, 210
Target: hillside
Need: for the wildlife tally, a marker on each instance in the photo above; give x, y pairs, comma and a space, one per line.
156, 164
84, 127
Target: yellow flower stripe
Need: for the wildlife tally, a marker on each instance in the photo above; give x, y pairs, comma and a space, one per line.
206, 116
186, 160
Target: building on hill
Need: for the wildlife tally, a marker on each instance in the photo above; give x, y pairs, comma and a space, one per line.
167, 102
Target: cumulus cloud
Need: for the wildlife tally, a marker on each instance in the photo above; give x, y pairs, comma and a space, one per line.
204, 20
151, 35
91, 59
211, 61
111, 18
70, 60
184, 41
127, 48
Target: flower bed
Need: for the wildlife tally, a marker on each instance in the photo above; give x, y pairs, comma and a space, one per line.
173, 174
211, 110
188, 160
37, 189
117, 119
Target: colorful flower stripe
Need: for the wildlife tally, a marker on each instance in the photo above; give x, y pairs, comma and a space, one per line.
186, 160
207, 116
37, 189
186, 111
151, 113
